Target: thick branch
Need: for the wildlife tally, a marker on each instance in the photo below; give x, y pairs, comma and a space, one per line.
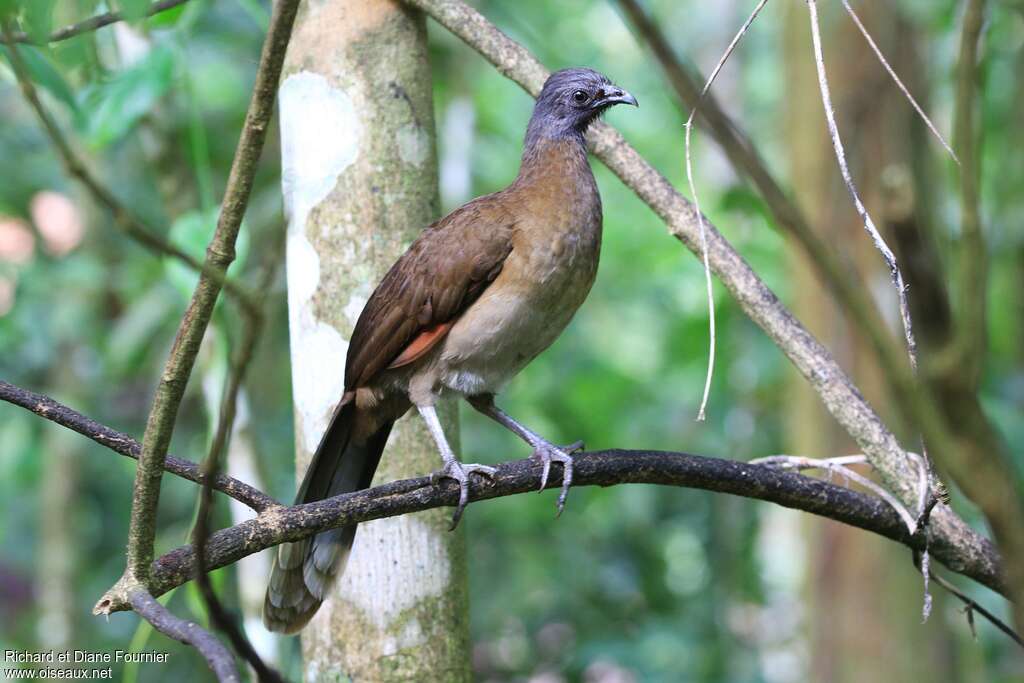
611, 467
119, 442
838, 393
188, 632
603, 468
219, 255
93, 23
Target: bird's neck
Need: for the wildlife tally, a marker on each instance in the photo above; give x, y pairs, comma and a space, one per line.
566, 154
543, 129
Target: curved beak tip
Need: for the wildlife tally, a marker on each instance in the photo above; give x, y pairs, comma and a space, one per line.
623, 97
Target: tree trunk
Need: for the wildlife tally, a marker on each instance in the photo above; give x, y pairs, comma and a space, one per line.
360, 182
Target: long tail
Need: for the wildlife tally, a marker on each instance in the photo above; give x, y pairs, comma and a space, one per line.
304, 571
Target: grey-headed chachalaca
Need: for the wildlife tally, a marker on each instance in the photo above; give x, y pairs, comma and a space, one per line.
476, 297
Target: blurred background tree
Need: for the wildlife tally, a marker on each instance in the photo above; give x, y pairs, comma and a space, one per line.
632, 583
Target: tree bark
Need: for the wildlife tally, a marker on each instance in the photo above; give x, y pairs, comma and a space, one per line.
360, 182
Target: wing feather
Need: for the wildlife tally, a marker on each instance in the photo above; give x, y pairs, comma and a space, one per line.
441, 274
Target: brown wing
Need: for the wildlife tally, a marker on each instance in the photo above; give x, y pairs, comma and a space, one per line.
444, 271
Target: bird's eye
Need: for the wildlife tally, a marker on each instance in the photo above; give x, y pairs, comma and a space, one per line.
579, 97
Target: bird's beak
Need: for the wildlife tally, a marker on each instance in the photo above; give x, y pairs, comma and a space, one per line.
617, 96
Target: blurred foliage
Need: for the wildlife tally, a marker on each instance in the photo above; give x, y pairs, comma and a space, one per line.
632, 583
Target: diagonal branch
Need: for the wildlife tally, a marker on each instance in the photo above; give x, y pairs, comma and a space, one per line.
188, 632
602, 468
119, 442
815, 363
92, 23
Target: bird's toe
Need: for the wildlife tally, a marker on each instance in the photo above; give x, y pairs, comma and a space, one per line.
549, 453
460, 472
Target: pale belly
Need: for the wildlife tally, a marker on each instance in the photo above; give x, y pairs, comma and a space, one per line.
519, 315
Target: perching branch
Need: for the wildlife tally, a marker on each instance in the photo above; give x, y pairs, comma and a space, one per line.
188, 632
92, 23
603, 468
859, 513
838, 393
119, 442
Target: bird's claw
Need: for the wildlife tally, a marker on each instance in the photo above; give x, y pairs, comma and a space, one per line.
549, 453
453, 469
574, 447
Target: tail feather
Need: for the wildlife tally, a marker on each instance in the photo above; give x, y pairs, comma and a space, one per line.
305, 570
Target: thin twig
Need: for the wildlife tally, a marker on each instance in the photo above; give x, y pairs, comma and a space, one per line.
129, 221
119, 442
225, 622
899, 83
869, 225
188, 632
92, 23
219, 255
971, 606
696, 203
840, 465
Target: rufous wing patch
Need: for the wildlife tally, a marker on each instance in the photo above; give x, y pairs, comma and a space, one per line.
421, 344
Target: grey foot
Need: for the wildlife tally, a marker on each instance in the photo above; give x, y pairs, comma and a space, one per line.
548, 453
453, 469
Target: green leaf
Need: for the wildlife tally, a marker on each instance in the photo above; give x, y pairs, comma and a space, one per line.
42, 73
37, 19
109, 110
167, 18
133, 10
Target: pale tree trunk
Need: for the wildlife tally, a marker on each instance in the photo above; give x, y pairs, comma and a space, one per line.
360, 182
863, 596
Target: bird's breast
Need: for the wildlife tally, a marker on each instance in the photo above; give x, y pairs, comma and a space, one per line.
543, 282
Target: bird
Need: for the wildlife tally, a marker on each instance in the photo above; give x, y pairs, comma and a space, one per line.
476, 297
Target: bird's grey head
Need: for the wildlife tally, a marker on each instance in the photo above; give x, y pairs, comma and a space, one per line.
570, 100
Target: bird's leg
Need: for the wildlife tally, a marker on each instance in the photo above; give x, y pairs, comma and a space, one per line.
543, 449
453, 469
